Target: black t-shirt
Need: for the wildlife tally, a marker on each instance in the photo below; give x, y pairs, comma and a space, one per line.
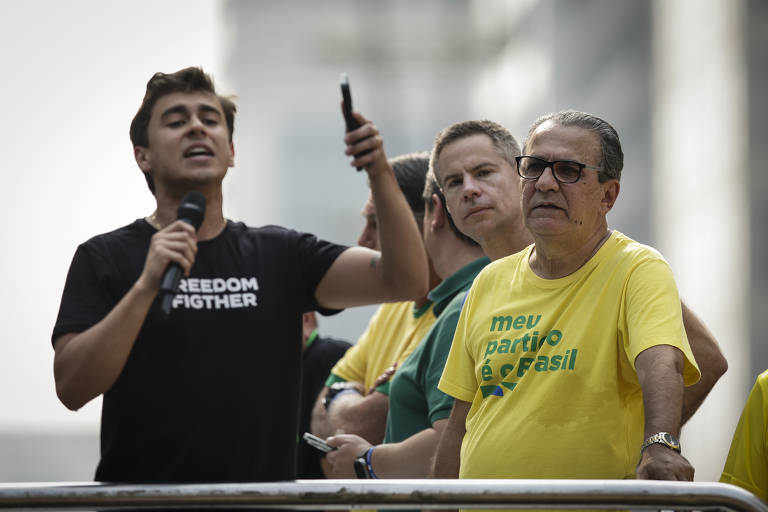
319, 358
211, 393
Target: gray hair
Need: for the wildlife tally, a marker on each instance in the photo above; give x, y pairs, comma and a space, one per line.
612, 158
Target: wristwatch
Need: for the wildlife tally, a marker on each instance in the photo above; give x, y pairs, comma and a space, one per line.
664, 438
361, 468
335, 389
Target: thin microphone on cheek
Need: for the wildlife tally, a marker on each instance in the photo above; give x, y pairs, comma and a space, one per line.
192, 211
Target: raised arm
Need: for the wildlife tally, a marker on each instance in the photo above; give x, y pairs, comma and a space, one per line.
660, 372
711, 361
86, 364
362, 276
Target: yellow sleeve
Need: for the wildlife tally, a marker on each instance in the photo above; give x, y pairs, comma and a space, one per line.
459, 379
654, 315
353, 365
747, 462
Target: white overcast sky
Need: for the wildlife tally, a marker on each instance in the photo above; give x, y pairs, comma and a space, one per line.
73, 76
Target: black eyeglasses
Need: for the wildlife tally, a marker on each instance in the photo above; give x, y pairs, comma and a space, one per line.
564, 171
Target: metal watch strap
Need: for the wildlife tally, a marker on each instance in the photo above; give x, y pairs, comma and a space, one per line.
338, 388
663, 438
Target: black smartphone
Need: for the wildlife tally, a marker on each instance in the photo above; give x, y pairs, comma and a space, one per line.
346, 105
317, 442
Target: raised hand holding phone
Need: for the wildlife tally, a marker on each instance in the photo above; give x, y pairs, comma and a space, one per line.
346, 104
350, 120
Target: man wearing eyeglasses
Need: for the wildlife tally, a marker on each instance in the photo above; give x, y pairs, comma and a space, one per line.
570, 357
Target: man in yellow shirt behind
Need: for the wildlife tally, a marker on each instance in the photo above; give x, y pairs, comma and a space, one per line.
747, 462
571, 353
352, 401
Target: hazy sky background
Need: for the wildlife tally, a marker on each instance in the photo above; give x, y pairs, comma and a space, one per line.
74, 74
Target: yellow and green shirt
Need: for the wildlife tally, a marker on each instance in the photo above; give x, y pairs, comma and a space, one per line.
747, 462
394, 331
548, 364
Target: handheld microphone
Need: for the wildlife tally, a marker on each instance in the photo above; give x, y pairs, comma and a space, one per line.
192, 211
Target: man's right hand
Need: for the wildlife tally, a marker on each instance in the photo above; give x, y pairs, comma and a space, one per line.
341, 460
175, 243
87, 363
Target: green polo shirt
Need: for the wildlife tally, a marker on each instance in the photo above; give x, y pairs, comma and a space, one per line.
415, 403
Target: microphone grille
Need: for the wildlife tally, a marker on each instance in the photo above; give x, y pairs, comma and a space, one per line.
192, 208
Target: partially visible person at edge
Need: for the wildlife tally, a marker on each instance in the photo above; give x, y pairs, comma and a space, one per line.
355, 399
418, 411
211, 393
320, 353
747, 462
570, 181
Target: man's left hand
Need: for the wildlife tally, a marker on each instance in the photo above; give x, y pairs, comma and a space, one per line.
661, 463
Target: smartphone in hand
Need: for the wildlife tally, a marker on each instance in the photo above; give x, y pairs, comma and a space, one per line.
346, 104
346, 107
317, 442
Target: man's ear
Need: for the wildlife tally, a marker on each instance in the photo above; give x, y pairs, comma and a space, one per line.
438, 214
610, 194
141, 154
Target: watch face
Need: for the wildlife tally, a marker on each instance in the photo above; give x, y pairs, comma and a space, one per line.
671, 440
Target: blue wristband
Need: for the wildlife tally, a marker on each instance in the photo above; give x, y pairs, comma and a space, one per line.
368, 462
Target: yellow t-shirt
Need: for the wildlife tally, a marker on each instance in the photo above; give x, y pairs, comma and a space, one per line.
548, 365
747, 462
393, 332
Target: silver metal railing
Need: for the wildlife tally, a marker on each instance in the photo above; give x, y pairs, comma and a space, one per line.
391, 494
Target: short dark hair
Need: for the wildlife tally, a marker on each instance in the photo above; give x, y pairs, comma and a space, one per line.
433, 187
191, 79
612, 159
411, 173
505, 143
